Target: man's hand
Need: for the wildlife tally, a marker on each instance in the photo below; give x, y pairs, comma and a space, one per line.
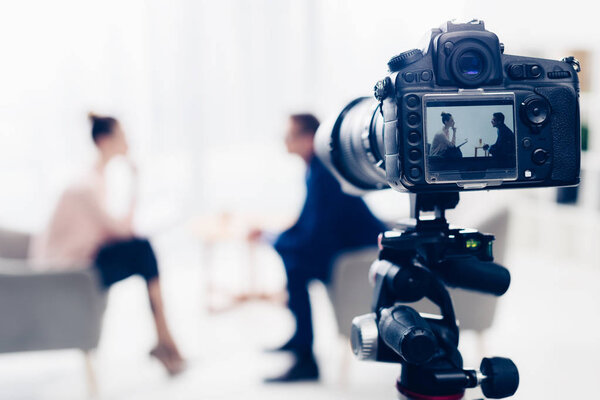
254, 235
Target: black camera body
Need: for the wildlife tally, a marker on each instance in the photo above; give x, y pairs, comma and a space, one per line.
460, 115
542, 93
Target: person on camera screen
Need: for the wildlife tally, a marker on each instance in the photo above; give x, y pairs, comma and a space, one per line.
442, 145
504, 148
329, 223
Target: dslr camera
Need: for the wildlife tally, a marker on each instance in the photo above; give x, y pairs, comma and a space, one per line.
460, 114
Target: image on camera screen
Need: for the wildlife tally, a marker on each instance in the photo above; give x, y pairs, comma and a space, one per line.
470, 139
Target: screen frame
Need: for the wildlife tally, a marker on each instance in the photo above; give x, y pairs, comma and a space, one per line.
492, 176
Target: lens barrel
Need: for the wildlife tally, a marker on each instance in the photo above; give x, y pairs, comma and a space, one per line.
352, 146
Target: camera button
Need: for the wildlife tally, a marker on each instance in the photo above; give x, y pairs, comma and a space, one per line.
526, 143
415, 173
414, 137
448, 47
412, 101
426, 75
409, 77
414, 155
528, 174
413, 119
516, 71
535, 71
539, 156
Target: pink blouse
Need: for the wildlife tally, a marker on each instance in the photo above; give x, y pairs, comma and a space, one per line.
79, 226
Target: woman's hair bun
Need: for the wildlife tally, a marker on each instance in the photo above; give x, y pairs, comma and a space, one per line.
101, 125
446, 117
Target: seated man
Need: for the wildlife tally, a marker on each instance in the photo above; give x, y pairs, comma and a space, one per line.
330, 222
504, 148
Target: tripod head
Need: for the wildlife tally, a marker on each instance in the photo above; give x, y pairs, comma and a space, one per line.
418, 261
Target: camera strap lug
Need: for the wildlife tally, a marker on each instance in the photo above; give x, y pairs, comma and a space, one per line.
573, 62
382, 89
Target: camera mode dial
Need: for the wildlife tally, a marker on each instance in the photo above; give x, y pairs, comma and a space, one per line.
400, 61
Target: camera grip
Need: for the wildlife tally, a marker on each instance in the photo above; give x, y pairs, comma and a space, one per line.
566, 138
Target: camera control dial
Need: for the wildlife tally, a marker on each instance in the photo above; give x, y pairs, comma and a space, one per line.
535, 111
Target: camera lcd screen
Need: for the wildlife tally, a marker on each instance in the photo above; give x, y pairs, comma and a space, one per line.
470, 138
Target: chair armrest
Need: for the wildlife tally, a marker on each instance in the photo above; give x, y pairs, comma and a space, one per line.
14, 244
349, 290
49, 309
17, 266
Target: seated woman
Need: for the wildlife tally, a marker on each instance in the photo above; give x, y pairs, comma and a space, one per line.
81, 231
442, 145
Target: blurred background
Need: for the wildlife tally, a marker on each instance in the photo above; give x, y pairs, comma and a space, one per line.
203, 89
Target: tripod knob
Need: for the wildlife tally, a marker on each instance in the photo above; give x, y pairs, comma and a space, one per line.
364, 337
408, 334
501, 377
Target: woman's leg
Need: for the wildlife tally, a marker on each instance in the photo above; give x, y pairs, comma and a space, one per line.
162, 329
117, 261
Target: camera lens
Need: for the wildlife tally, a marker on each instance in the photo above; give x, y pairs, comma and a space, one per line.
353, 144
470, 64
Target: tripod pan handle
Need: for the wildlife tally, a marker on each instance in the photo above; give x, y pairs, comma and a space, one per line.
473, 274
502, 377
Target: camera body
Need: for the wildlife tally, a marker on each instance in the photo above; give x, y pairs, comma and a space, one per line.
465, 71
460, 115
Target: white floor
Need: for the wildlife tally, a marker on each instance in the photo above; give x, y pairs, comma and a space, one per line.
548, 323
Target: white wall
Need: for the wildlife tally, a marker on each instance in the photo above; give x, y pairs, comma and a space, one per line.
203, 87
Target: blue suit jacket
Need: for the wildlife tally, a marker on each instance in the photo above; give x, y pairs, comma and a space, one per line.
505, 144
330, 221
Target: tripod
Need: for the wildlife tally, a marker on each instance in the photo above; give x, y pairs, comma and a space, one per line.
416, 262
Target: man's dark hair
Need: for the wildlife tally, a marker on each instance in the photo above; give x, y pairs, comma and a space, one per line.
101, 126
499, 117
446, 117
308, 123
